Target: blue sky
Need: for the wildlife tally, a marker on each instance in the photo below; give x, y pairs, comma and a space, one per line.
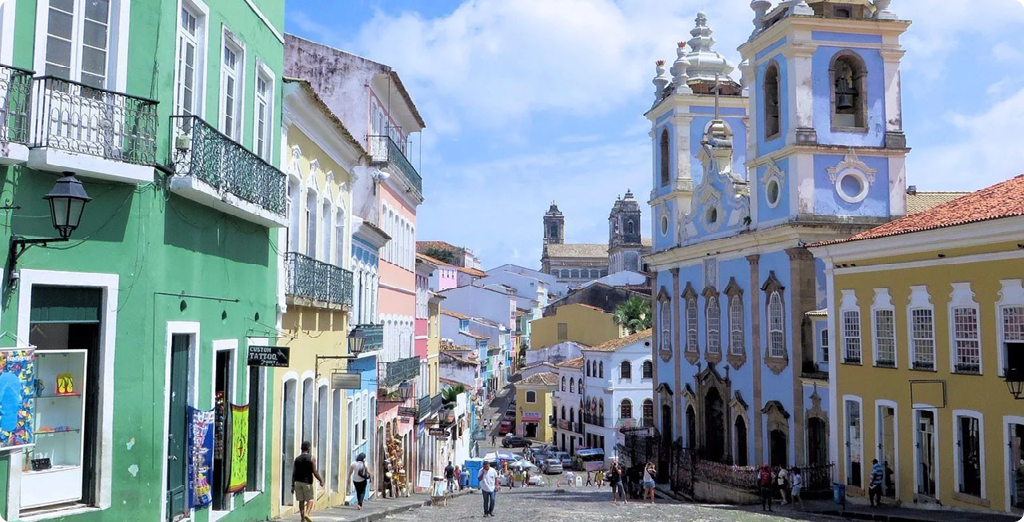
529, 101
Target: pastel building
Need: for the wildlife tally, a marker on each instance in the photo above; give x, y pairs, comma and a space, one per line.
569, 405
535, 406
928, 312
808, 147
581, 323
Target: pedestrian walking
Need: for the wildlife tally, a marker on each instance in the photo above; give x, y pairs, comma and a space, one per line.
360, 476
599, 478
449, 476
488, 488
782, 483
798, 486
590, 481
494, 440
463, 478
458, 477
615, 481
875, 484
303, 473
764, 480
526, 480
386, 490
649, 474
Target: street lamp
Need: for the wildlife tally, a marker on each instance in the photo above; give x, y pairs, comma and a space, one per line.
356, 340
67, 202
1015, 382
405, 390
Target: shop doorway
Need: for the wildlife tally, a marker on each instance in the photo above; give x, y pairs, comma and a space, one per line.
531, 430
177, 420
1016, 466
925, 476
887, 448
222, 386
287, 440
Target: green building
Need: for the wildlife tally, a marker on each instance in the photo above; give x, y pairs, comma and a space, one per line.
168, 113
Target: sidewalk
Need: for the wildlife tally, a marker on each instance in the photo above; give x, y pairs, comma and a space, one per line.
859, 511
375, 509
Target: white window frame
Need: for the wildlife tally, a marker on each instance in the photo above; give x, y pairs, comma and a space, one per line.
713, 328
957, 437
665, 325
265, 73
823, 339
7, 10
883, 304
774, 350
224, 345
1010, 295
201, 12
920, 300
936, 435
885, 403
962, 298
1009, 468
117, 43
326, 228
853, 347
737, 340
228, 39
261, 426
691, 325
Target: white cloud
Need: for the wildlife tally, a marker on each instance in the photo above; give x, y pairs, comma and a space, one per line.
980, 149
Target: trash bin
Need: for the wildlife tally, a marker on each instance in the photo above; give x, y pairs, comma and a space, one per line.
839, 493
473, 468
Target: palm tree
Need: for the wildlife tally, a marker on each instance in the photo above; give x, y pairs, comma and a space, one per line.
634, 314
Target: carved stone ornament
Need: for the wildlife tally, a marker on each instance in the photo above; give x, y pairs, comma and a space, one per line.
851, 161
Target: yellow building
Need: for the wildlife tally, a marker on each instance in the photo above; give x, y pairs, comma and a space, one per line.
581, 323
928, 312
316, 291
534, 404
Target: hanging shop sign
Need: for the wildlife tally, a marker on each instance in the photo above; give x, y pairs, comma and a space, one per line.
407, 412
18, 387
239, 448
346, 381
200, 459
532, 416
438, 432
273, 356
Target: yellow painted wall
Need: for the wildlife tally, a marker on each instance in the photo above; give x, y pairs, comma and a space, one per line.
313, 331
986, 394
545, 400
585, 324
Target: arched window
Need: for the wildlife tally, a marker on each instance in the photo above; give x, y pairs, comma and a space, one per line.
326, 231
563, 385
630, 228
772, 103
531, 396
579, 386
665, 325
294, 215
575, 274
648, 370
776, 326
849, 107
311, 223
600, 370
572, 415
625, 370
663, 151
626, 409
588, 368
572, 385
553, 231
713, 315
563, 412
691, 325
736, 325
648, 413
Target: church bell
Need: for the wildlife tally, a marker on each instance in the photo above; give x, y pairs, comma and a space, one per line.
844, 95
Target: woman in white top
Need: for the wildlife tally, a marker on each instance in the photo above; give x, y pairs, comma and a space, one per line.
649, 474
360, 475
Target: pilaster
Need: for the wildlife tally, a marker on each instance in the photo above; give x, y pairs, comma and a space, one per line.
802, 300
677, 397
801, 106
755, 350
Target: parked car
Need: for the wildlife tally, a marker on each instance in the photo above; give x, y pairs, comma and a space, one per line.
510, 414
504, 427
553, 466
515, 441
567, 462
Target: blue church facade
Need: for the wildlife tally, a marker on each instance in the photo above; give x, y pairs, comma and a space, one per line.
808, 146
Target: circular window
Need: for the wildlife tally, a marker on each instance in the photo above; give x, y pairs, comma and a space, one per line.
664, 225
712, 216
852, 186
772, 190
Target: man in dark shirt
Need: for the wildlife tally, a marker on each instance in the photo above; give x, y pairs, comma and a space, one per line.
303, 472
449, 476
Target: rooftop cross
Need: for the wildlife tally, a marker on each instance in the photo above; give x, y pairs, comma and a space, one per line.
718, 91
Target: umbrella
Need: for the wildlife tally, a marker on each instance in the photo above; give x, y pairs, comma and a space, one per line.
522, 464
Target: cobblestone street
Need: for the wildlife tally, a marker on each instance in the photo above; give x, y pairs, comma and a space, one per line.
587, 504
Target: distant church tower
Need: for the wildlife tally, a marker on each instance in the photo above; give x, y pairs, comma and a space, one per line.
624, 244
554, 233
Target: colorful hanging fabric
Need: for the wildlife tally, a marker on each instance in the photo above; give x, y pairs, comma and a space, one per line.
200, 460
239, 448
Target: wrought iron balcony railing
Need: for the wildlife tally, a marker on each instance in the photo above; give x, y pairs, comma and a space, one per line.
203, 152
383, 149
318, 281
596, 420
374, 337
398, 371
15, 95
75, 117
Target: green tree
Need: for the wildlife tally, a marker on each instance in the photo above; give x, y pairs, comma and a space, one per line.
445, 256
634, 314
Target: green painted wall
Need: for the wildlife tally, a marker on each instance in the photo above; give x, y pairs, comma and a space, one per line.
158, 242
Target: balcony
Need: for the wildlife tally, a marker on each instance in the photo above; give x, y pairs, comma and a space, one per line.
15, 93
374, 337
595, 420
394, 373
94, 132
384, 150
214, 170
315, 283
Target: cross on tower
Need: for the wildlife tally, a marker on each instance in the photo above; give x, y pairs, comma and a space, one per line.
717, 89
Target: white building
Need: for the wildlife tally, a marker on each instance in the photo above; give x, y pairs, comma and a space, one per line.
617, 391
569, 405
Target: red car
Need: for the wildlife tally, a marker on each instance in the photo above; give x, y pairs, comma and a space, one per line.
504, 427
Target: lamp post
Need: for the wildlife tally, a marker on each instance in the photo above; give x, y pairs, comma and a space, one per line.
405, 391
67, 202
1015, 382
